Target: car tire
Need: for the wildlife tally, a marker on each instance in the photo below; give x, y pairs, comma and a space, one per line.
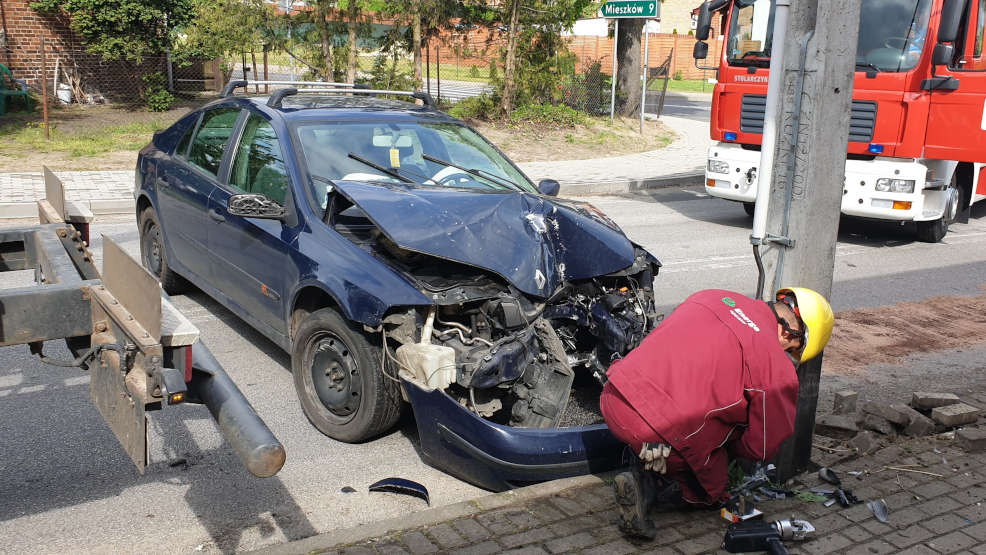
152, 253
339, 379
750, 208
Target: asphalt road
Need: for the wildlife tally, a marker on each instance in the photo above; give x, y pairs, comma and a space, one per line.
690, 107
66, 486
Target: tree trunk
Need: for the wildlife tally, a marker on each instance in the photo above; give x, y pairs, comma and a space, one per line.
321, 15
416, 39
353, 22
507, 102
629, 60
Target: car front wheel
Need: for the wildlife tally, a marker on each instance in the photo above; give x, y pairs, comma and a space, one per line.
339, 379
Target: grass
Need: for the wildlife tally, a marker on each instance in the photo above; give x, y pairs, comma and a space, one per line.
682, 85
78, 143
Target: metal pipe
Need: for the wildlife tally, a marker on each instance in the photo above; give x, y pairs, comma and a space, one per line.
765, 175
248, 435
612, 98
643, 76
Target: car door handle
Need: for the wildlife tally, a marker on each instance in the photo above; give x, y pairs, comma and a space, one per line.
216, 216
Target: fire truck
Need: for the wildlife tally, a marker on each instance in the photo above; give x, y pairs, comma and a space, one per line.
917, 134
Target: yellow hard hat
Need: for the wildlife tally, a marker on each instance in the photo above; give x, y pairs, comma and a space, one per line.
816, 315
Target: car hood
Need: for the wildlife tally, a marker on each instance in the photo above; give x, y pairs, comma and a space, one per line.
533, 242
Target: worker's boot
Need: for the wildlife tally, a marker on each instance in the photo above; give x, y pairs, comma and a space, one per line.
634, 497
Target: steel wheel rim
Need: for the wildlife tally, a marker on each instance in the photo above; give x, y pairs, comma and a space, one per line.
335, 375
153, 254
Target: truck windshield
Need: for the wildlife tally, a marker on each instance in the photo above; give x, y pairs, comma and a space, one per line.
891, 34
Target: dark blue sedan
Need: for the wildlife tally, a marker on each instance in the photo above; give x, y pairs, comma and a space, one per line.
400, 257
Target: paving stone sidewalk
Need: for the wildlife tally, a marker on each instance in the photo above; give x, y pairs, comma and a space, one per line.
937, 510
107, 192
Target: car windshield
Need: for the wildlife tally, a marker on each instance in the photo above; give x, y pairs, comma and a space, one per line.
891, 34
380, 151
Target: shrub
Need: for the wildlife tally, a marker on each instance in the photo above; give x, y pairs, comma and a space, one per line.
477, 107
155, 93
548, 114
678, 75
474, 72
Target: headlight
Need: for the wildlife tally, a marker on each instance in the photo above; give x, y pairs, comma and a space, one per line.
718, 166
886, 185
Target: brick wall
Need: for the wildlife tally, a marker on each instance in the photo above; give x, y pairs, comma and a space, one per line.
116, 81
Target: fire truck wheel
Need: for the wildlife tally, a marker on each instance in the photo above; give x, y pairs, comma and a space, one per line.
750, 207
934, 231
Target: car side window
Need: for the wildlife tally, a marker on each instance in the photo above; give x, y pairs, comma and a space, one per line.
259, 165
207, 147
182, 149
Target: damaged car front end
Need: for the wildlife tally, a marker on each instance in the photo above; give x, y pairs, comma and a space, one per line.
532, 299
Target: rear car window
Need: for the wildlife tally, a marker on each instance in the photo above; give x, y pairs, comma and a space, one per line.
259, 164
207, 147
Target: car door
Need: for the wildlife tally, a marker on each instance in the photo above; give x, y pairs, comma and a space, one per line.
184, 187
957, 118
253, 256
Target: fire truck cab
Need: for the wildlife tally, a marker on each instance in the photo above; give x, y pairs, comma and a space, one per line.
917, 135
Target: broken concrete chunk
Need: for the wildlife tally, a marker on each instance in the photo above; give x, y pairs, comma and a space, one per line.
877, 424
845, 402
923, 400
865, 443
884, 411
917, 423
955, 415
972, 440
835, 426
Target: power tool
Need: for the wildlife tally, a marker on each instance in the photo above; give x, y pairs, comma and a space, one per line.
749, 536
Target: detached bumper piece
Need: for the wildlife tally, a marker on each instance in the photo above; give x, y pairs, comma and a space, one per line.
497, 457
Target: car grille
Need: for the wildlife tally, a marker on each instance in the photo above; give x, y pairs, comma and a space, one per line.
861, 124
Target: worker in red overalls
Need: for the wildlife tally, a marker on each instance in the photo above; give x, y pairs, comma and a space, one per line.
717, 375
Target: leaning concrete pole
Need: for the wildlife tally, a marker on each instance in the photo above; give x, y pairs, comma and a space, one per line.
808, 174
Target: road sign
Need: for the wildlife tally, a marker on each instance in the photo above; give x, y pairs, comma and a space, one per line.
616, 9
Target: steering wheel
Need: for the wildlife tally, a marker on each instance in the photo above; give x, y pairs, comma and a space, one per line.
451, 175
895, 43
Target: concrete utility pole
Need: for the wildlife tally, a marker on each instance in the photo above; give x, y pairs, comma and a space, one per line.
808, 174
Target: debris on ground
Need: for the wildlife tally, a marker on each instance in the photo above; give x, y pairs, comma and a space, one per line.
955, 415
924, 400
972, 440
845, 402
836, 426
402, 486
880, 509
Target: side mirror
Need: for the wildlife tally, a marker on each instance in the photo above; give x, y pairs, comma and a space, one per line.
943, 55
951, 18
255, 206
701, 50
704, 24
549, 187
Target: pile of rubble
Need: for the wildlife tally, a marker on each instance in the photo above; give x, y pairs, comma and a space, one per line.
927, 414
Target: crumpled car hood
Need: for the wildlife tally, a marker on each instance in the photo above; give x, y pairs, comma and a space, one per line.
531, 241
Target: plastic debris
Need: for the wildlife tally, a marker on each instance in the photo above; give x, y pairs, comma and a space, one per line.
348, 489
402, 486
880, 509
829, 475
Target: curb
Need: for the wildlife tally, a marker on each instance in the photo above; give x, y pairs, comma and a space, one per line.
103, 207
621, 187
432, 516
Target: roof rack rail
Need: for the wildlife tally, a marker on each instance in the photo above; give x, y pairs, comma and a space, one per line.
277, 96
244, 83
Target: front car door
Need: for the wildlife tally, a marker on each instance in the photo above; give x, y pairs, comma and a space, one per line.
184, 187
253, 256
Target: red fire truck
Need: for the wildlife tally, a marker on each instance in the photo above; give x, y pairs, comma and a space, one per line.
917, 136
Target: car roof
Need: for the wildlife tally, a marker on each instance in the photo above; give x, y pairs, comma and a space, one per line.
322, 107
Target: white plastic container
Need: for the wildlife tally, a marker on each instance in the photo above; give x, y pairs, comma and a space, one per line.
64, 93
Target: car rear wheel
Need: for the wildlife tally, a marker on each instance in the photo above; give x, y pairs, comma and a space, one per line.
339, 379
152, 254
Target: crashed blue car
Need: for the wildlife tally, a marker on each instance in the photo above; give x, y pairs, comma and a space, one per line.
400, 258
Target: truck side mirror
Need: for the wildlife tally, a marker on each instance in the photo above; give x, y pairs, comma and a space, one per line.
701, 50
704, 24
943, 55
951, 17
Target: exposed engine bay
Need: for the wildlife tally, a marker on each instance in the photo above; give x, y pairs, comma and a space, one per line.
508, 356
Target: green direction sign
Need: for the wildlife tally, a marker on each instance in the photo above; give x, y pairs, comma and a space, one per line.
631, 8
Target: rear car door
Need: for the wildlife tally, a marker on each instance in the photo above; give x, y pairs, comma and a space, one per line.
254, 256
957, 118
183, 190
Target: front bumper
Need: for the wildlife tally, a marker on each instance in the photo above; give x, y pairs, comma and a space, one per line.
859, 194
499, 457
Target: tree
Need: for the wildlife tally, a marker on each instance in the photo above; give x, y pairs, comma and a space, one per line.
629, 64
223, 28
123, 29
507, 100
323, 9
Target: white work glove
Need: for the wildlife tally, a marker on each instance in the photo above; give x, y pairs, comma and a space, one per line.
655, 457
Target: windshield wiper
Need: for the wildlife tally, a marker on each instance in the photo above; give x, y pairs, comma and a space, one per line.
868, 65
378, 167
476, 172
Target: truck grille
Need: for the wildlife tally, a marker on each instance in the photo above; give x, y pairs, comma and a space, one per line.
861, 123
